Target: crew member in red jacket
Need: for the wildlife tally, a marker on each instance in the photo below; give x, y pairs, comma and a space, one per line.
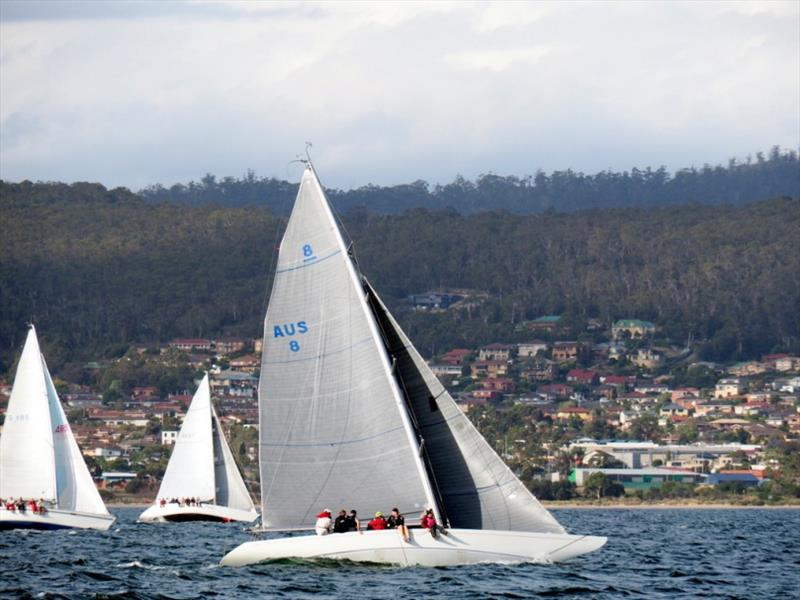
377, 523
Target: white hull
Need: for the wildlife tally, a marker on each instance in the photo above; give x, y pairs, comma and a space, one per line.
54, 519
459, 547
204, 512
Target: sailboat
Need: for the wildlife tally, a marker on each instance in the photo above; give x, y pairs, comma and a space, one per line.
39, 458
202, 468
351, 416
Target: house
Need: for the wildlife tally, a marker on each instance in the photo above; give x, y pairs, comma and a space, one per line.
569, 351
556, 390
456, 356
647, 358
674, 410
743, 369
189, 344
566, 413
105, 452
488, 368
487, 395
544, 323
431, 300
632, 329
531, 349
168, 438
495, 352
744, 478
582, 377
145, 391
445, 370
728, 388
246, 364
115, 479
502, 385
620, 381
539, 369
229, 345
787, 363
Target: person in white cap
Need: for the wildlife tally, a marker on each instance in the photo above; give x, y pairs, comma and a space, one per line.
323, 525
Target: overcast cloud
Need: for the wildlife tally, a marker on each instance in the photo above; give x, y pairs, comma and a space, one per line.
129, 93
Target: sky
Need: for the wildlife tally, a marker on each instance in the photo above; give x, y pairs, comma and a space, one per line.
136, 93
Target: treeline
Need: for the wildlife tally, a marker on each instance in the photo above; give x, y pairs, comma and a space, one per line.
777, 174
97, 269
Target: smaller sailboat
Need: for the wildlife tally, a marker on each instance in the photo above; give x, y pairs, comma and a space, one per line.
44, 481
202, 481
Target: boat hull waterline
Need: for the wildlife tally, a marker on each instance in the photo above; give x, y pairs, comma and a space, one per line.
204, 512
54, 519
459, 547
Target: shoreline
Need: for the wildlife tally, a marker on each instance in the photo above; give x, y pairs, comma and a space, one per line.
587, 505
663, 505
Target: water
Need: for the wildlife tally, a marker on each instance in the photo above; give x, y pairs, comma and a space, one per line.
680, 553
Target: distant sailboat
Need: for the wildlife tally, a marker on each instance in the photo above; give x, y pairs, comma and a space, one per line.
352, 417
39, 458
202, 467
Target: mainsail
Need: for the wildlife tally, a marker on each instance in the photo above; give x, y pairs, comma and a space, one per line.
334, 429
27, 459
190, 471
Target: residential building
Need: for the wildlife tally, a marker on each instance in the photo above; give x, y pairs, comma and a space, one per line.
728, 388
531, 349
582, 377
168, 438
495, 352
489, 368
632, 329
569, 351
190, 344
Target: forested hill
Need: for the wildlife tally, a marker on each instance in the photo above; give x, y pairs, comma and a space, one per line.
97, 269
737, 183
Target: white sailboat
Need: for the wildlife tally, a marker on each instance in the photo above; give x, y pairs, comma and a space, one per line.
201, 467
39, 458
352, 417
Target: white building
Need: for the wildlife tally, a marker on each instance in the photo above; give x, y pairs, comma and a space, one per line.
168, 437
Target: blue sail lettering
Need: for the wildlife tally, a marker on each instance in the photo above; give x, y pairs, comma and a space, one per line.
277, 331
288, 329
302, 327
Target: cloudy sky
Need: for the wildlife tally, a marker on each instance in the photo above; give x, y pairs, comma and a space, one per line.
130, 93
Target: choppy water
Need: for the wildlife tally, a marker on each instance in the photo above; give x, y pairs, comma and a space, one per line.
680, 553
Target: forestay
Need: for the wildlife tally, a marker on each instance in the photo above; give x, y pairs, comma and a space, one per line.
333, 428
477, 489
190, 471
27, 460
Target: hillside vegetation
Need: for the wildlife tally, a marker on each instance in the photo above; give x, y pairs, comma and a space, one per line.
97, 269
739, 182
